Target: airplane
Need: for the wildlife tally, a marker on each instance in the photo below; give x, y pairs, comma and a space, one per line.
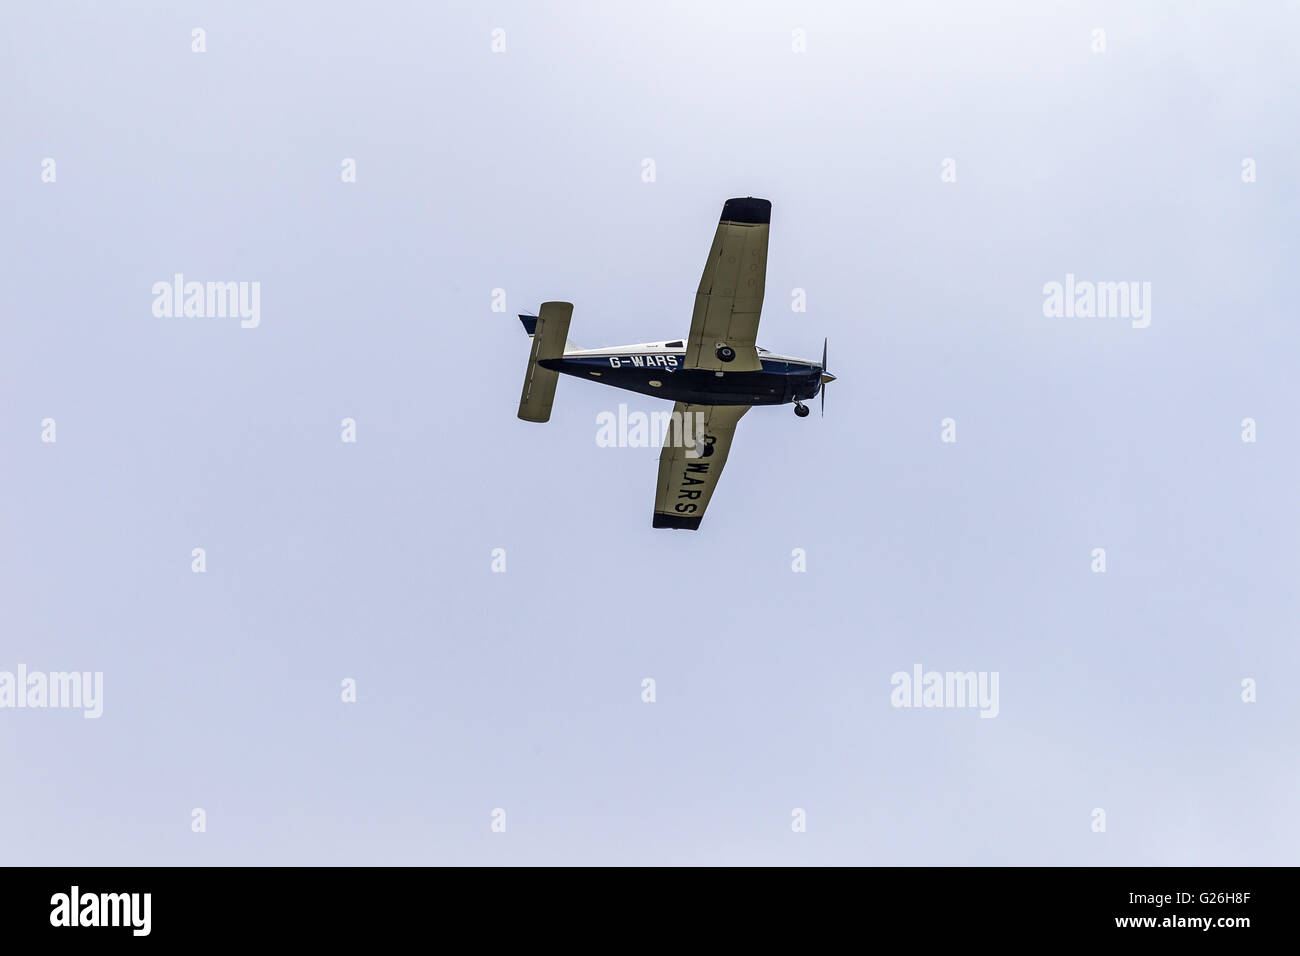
714, 375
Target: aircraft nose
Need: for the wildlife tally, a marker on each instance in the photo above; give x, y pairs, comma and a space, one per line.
827, 377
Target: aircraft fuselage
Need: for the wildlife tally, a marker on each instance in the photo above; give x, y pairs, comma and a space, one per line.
660, 371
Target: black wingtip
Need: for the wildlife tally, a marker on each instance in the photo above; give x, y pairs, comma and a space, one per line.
677, 521
747, 210
530, 323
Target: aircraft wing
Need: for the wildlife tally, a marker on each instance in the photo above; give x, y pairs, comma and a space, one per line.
689, 473
730, 296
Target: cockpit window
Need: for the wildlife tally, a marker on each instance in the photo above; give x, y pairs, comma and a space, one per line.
675, 345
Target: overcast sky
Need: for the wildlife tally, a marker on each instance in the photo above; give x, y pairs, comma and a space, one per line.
525, 170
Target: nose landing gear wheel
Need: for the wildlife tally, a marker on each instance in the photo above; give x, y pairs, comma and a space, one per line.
801, 409
725, 353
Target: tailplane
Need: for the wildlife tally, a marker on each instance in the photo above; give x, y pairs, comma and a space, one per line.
549, 330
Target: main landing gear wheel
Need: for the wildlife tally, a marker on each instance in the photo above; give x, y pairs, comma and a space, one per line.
725, 353
801, 409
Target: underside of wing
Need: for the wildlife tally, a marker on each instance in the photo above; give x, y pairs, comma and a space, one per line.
730, 296
695, 449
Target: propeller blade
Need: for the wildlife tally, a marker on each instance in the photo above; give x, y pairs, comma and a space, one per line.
825, 342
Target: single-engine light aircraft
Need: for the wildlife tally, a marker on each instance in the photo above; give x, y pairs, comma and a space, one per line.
714, 375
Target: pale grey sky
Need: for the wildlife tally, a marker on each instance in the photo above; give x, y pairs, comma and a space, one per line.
522, 170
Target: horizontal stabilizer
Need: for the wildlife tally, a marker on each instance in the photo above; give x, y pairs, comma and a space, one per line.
549, 332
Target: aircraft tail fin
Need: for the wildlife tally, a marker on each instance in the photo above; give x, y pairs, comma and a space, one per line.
549, 330
530, 325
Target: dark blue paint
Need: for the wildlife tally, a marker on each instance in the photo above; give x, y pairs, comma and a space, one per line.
777, 384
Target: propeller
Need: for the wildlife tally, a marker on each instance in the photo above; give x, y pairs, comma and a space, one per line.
827, 377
